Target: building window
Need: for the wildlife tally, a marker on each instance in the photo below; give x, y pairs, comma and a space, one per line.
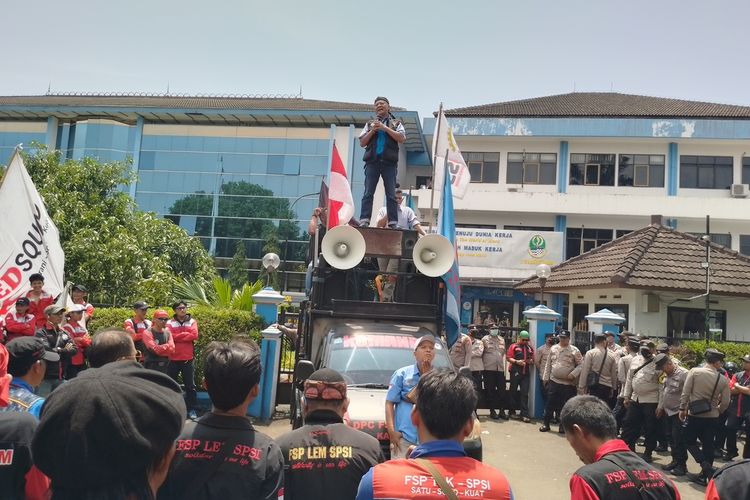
620, 310
528, 228
424, 181
592, 169
622, 232
641, 170
483, 167
745, 244
580, 311
723, 239
746, 170
581, 240
705, 172
532, 168
688, 323
476, 226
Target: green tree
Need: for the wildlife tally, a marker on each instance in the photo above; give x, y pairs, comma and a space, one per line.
238, 267
118, 251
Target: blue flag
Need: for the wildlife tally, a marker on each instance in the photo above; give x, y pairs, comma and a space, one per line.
447, 228
410, 200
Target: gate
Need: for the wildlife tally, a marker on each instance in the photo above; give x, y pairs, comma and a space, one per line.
286, 364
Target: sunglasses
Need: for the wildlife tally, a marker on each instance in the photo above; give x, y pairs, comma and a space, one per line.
316, 389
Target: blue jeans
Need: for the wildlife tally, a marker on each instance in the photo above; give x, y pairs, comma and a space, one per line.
373, 172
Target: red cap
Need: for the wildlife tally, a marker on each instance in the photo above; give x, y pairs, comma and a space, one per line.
4, 378
161, 313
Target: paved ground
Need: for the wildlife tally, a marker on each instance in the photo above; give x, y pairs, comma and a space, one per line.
538, 465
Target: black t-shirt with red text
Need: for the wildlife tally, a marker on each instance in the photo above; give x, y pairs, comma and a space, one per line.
252, 466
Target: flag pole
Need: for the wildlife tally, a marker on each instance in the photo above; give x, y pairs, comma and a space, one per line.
435, 138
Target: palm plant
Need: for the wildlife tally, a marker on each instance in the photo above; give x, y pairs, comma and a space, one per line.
219, 295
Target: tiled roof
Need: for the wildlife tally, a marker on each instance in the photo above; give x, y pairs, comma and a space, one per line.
603, 105
182, 102
655, 257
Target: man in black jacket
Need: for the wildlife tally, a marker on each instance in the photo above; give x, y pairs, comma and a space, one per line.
55, 340
326, 458
221, 455
612, 471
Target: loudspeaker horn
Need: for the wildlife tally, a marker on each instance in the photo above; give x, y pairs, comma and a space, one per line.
343, 247
433, 255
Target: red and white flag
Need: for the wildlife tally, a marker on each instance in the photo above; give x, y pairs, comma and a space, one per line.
29, 241
340, 201
444, 143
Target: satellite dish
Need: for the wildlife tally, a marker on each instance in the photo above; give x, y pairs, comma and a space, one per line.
433, 255
343, 247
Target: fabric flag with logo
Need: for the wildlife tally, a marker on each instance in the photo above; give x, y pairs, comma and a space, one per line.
443, 141
29, 240
447, 227
340, 201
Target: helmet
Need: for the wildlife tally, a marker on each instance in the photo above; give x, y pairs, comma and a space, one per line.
731, 367
524, 335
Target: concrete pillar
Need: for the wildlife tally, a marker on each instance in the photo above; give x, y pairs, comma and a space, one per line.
266, 306
51, 140
541, 321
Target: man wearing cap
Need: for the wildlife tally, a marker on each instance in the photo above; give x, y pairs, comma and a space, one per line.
28, 366
138, 324
521, 358
670, 391
80, 336
632, 345
110, 433
542, 354
381, 138
184, 331
304, 449
739, 409
705, 396
221, 455
476, 364
443, 416
19, 478
39, 299
158, 343
20, 322
599, 373
401, 397
559, 377
493, 373
78, 295
641, 397
55, 340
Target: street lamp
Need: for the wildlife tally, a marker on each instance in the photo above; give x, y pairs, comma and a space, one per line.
543, 271
270, 263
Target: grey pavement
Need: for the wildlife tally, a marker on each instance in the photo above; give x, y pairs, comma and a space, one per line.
538, 465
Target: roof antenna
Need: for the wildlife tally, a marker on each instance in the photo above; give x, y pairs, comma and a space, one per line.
49, 87
167, 87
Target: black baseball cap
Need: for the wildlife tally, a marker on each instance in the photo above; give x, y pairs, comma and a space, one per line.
564, 333
111, 421
140, 305
25, 351
79, 288
23, 301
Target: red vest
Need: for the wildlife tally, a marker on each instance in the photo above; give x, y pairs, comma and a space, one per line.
469, 478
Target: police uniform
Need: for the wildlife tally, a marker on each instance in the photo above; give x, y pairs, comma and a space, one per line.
325, 459
601, 361
493, 360
460, 352
559, 379
670, 391
477, 365
407, 478
642, 392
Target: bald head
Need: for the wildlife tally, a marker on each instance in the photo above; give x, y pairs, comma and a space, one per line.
111, 344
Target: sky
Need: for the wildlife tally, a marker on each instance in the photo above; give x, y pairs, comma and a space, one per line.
417, 53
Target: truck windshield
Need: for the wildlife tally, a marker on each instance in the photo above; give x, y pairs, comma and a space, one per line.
371, 359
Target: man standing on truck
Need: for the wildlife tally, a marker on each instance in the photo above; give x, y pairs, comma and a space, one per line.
401, 397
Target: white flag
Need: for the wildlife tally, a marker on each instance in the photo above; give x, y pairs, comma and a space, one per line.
29, 241
459, 171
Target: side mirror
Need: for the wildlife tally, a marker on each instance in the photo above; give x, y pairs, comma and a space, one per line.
303, 370
465, 371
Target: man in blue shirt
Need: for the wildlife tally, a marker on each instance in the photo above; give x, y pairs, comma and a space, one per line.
27, 364
402, 395
443, 418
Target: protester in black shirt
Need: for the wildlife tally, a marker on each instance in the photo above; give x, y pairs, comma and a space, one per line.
221, 456
325, 459
55, 340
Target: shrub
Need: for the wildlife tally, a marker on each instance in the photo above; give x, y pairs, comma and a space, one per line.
690, 352
213, 324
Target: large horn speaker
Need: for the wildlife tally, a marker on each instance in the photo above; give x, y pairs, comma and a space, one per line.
433, 255
343, 247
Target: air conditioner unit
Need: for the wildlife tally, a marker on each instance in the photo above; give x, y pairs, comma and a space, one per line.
739, 191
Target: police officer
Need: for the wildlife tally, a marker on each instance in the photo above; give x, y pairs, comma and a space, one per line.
476, 365
739, 409
641, 397
599, 373
493, 359
623, 365
443, 416
611, 346
325, 439
559, 377
670, 390
460, 352
705, 396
